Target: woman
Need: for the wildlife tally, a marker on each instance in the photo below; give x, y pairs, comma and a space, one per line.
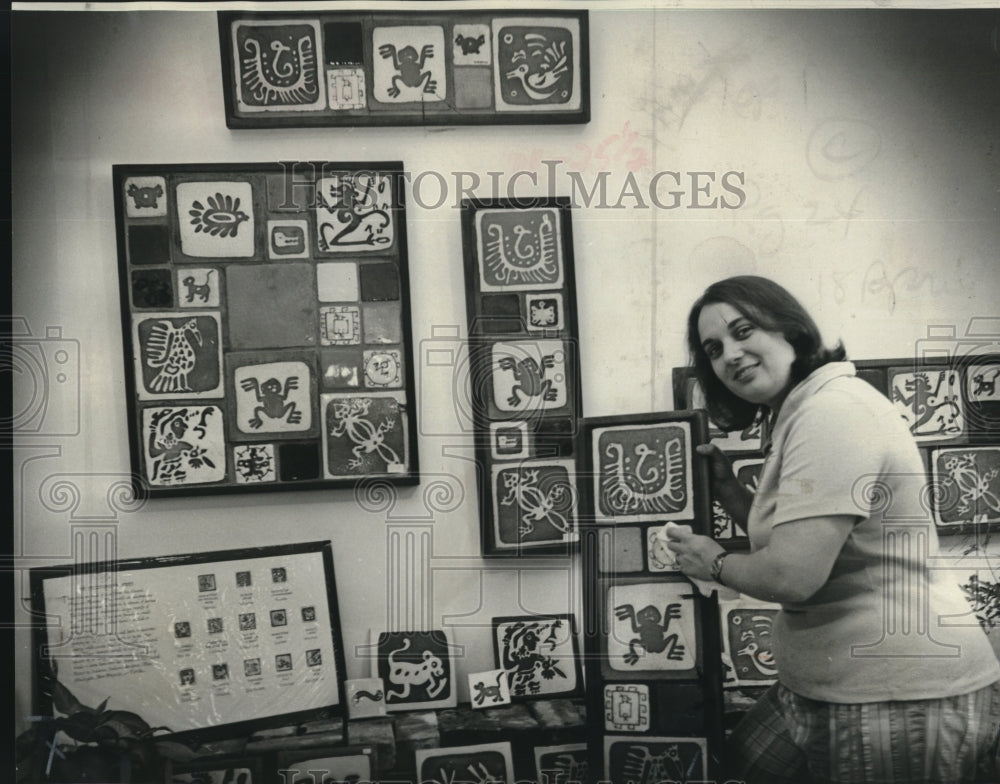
873, 686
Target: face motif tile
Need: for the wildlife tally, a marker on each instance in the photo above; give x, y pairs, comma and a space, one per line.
216, 219
644, 472
178, 356
652, 627
346, 88
626, 707
930, 402
287, 239
659, 557
409, 64
364, 434
534, 501
145, 197
184, 445
967, 485
383, 369
254, 463
529, 376
340, 325
354, 213
278, 65
519, 250
536, 65
273, 397
488, 689
198, 287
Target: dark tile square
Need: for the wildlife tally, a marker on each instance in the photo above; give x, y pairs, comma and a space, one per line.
500, 305
379, 282
298, 461
152, 288
148, 245
555, 437
342, 43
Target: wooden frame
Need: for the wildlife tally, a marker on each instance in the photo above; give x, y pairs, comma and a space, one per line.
266, 320
524, 374
652, 644
209, 645
355, 68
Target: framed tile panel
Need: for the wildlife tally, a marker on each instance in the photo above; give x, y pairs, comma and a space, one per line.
524, 373
265, 312
357, 68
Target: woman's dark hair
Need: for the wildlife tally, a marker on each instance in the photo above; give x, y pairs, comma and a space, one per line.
770, 307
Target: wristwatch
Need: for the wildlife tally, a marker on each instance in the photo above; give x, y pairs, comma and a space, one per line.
716, 568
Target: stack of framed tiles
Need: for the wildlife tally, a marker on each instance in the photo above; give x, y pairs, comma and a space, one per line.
654, 688
525, 373
399, 68
266, 325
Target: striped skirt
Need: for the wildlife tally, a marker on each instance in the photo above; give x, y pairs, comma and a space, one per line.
788, 738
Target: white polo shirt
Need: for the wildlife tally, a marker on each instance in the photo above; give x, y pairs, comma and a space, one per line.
886, 625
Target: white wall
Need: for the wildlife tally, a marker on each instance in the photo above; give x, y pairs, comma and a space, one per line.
869, 146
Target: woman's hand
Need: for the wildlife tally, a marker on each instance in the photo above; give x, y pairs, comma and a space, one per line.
693, 554
726, 488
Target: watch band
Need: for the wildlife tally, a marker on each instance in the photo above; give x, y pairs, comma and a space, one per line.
716, 568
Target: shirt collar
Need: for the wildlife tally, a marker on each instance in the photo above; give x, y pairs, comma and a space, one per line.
801, 392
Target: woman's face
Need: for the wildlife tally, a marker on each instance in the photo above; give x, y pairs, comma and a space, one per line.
751, 362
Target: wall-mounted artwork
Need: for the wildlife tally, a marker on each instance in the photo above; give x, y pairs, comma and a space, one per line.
333, 764
561, 764
649, 760
525, 372
266, 320
748, 655
652, 629
208, 645
464, 67
539, 655
966, 483
929, 400
486, 762
418, 670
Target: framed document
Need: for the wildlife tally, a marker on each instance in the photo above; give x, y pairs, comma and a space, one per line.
206, 645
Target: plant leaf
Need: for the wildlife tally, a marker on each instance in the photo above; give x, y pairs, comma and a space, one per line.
125, 724
177, 752
63, 699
